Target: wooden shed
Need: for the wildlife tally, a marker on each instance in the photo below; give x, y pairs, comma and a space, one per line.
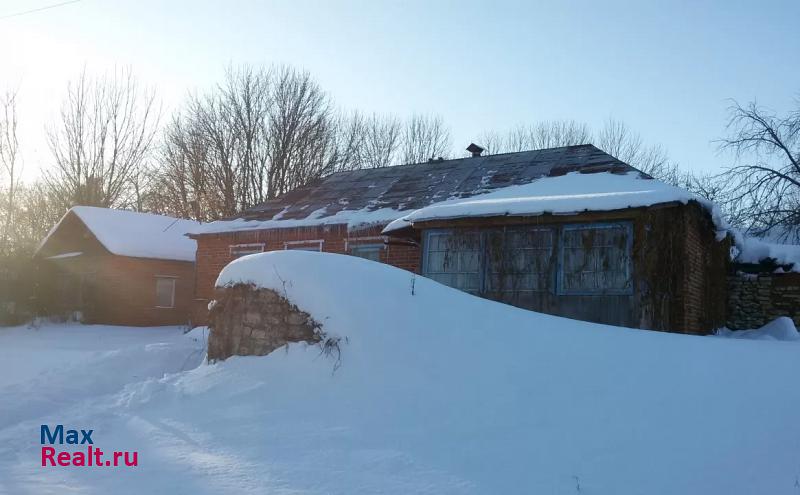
117, 267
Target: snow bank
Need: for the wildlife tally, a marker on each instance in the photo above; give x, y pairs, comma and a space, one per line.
438, 392
565, 195
141, 235
782, 328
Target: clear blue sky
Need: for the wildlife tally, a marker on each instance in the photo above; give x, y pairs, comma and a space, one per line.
666, 69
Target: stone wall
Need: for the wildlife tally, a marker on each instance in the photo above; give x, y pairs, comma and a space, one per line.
248, 321
755, 300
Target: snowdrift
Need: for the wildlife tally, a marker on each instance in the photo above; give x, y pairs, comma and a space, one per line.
440, 392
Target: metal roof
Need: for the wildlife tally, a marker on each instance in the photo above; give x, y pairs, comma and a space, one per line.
410, 187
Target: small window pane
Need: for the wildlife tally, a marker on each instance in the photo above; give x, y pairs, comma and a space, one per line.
596, 260
165, 292
305, 246
367, 251
454, 259
520, 260
239, 250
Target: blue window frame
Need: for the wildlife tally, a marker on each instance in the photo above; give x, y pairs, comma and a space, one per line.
595, 259
454, 259
519, 260
572, 259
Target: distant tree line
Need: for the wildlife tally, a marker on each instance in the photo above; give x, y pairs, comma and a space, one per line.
264, 131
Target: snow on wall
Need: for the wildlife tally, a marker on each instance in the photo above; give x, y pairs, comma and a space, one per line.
753, 250
139, 235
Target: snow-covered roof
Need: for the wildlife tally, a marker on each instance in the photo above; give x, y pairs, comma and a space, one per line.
753, 250
378, 196
139, 235
564, 195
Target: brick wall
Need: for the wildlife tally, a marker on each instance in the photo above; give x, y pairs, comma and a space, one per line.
214, 252
118, 290
755, 300
704, 273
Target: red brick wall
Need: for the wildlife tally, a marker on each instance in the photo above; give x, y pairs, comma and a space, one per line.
128, 288
119, 291
214, 252
704, 294
122, 289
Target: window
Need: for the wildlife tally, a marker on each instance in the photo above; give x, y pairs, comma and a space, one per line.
315, 245
520, 260
165, 292
454, 259
367, 251
239, 250
596, 259
580, 259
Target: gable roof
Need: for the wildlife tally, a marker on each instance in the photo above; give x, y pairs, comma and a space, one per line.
378, 196
138, 235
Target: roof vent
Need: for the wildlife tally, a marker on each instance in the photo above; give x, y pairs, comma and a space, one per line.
474, 149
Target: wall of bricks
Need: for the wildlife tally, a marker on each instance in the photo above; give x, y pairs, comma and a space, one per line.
214, 251
118, 290
704, 273
755, 300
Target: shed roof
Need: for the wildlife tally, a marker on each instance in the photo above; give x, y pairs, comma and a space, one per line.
134, 234
381, 195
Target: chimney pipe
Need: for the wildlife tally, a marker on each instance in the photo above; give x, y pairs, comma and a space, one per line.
474, 149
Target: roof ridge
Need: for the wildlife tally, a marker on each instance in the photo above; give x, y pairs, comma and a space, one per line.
438, 162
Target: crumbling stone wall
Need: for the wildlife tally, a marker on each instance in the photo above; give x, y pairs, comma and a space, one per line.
756, 299
249, 321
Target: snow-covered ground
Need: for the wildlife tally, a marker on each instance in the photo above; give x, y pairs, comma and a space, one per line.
437, 392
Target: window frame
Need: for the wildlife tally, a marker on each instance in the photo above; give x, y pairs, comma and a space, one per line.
481, 257
303, 245
550, 277
627, 226
366, 246
174, 280
556, 278
246, 249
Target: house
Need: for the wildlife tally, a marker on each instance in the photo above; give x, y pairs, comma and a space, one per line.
569, 231
117, 267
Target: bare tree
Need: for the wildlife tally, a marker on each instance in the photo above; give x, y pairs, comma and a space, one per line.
425, 137
300, 123
9, 166
614, 138
183, 185
382, 141
102, 140
765, 180
620, 141
258, 135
